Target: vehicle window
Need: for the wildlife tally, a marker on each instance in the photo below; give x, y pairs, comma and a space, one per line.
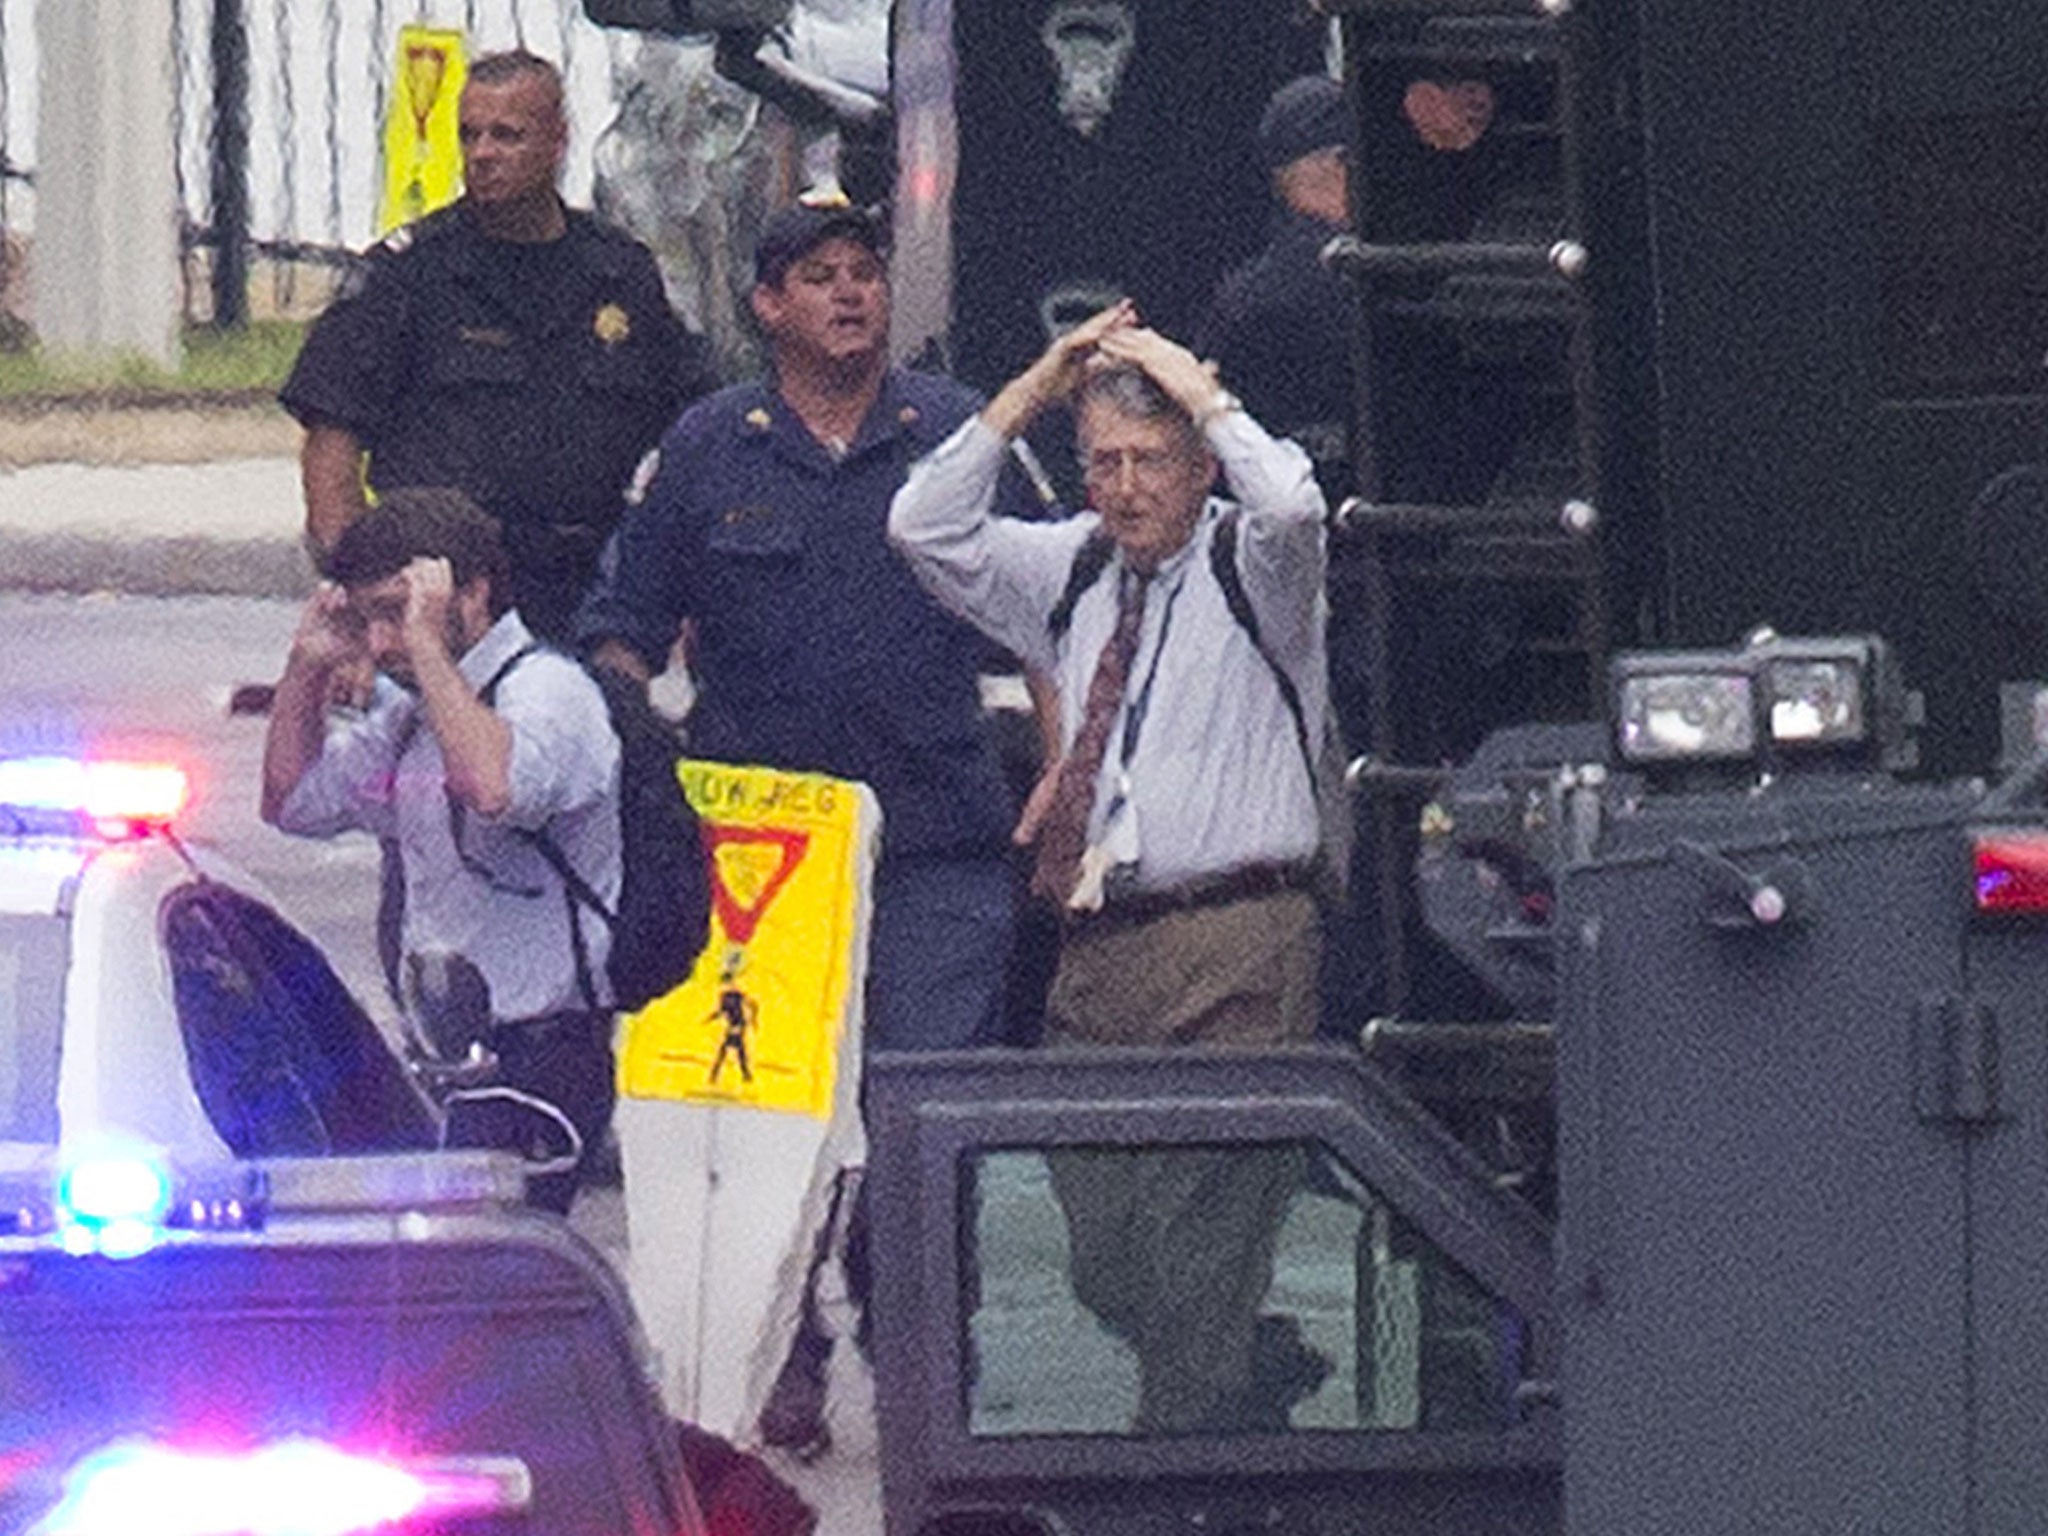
283, 1059
1231, 1289
33, 955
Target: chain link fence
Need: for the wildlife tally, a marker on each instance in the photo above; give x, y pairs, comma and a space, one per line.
278, 129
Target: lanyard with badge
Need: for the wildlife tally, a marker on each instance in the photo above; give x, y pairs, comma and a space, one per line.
1115, 852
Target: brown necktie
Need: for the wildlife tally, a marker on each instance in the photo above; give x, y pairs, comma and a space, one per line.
1065, 830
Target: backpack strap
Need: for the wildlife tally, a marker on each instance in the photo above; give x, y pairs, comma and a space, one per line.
1091, 559
1223, 566
488, 694
575, 889
391, 855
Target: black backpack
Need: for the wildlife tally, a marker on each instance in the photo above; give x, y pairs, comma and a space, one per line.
664, 915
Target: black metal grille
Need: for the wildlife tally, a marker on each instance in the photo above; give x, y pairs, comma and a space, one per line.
290, 179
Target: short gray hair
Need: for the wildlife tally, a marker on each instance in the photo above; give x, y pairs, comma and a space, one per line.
1130, 391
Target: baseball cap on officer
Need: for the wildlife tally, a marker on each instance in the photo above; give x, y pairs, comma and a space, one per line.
793, 233
1303, 116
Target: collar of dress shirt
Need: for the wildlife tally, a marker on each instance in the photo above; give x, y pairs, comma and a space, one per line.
499, 644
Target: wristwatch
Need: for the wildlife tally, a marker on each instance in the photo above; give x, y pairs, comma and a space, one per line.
1222, 405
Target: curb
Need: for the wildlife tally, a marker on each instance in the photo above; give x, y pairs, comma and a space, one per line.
225, 528
110, 433
174, 566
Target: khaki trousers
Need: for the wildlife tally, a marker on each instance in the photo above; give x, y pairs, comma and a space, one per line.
1173, 1248
1240, 973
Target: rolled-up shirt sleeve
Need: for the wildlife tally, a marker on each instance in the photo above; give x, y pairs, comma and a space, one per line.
1281, 549
348, 787
565, 757
1000, 574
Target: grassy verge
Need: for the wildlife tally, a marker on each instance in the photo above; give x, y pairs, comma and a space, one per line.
234, 366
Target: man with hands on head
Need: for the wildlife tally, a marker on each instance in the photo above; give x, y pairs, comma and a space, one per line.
476, 744
1185, 634
1184, 816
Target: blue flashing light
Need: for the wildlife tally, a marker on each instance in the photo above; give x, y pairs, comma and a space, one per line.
113, 1204
105, 1189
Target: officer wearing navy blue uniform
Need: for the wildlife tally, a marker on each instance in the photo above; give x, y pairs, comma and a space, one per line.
509, 346
1279, 327
813, 646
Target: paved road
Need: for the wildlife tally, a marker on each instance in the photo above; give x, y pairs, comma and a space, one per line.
159, 529
145, 675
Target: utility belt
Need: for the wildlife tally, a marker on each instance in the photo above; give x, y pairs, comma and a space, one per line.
1248, 882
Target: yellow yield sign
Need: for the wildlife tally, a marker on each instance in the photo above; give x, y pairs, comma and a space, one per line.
761, 1021
422, 149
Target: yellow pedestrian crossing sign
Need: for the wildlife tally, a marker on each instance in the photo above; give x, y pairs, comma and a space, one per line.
761, 1020
422, 147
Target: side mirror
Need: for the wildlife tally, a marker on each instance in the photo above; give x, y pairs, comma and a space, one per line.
451, 1005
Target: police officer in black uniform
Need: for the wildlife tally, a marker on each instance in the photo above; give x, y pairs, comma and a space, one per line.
1279, 327
507, 345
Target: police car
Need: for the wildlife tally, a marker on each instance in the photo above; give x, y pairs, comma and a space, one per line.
240, 1290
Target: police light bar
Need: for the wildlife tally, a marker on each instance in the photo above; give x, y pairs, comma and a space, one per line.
119, 1202
114, 795
299, 1487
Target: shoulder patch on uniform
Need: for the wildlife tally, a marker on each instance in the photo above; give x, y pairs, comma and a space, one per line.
643, 477
402, 239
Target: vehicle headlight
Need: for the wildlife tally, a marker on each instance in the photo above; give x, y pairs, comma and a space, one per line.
1817, 702
1776, 701
1686, 716
1822, 691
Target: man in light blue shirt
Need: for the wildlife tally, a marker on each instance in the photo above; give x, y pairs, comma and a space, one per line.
1179, 830
1200, 816
474, 740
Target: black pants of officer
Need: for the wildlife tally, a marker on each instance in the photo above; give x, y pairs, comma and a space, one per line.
565, 1060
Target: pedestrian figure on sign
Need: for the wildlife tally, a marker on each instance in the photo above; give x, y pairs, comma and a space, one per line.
741, 1013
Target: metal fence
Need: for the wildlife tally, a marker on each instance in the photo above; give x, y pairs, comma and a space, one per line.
307, 82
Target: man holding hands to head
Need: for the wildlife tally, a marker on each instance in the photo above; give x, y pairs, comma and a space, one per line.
1186, 637
476, 744
1179, 839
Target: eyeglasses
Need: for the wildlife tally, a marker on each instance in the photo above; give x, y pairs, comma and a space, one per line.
1149, 465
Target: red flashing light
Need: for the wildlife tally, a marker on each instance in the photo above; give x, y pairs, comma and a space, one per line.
2011, 871
112, 794
291, 1488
